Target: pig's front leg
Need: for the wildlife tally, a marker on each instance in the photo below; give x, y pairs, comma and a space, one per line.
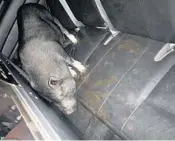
78, 65
72, 71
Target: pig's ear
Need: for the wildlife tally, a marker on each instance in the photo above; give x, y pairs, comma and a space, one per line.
53, 81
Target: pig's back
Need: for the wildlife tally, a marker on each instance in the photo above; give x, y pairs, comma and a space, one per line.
43, 56
35, 21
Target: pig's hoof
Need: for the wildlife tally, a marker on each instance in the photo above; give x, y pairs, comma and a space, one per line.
81, 68
73, 72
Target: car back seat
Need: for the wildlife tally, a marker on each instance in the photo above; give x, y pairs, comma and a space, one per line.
125, 94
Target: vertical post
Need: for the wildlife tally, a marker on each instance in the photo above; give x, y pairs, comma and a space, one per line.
105, 16
70, 13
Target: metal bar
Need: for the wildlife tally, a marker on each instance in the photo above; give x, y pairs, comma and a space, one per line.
14, 51
70, 13
8, 20
71, 37
164, 51
105, 17
41, 119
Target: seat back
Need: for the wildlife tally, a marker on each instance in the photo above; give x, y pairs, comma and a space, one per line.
153, 19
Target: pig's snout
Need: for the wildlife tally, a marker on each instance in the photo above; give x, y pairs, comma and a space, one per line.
69, 87
69, 105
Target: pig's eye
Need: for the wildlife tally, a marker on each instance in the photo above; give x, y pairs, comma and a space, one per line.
54, 81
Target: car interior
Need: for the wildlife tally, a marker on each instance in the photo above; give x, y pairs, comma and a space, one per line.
128, 90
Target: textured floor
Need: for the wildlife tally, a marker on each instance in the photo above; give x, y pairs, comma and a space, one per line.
20, 132
121, 80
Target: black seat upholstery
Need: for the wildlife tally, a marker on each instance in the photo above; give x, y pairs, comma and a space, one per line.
125, 94
154, 19
131, 95
85, 11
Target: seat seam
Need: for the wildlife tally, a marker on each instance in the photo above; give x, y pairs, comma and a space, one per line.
143, 99
130, 68
99, 62
101, 40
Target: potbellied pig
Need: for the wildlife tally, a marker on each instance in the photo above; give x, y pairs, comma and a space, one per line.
48, 66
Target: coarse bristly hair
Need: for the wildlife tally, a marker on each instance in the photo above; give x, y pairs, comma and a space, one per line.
43, 58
